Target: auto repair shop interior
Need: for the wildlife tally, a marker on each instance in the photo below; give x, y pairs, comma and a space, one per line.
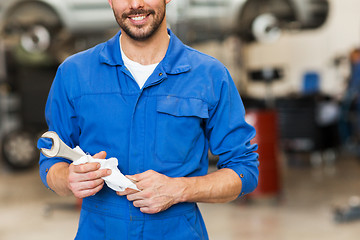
296, 64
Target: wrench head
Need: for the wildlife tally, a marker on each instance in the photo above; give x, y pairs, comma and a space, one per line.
55, 148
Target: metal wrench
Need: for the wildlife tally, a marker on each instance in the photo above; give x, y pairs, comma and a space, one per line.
59, 148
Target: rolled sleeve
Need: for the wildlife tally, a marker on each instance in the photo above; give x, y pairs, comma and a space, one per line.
248, 176
46, 163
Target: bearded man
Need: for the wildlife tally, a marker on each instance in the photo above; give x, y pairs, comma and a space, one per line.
157, 106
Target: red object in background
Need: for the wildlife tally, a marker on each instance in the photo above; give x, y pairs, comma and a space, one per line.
265, 123
78, 203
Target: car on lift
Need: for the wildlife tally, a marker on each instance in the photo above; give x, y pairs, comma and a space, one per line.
251, 20
44, 32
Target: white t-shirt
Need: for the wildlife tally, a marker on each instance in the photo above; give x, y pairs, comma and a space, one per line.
140, 72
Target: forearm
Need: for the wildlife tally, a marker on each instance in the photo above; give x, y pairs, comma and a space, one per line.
57, 178
223, 185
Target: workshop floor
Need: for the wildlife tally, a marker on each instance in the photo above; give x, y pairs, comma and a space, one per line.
304, 211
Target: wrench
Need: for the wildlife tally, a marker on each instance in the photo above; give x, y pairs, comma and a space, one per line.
59, 148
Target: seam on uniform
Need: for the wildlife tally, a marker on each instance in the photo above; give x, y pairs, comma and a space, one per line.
169, 95
103, 93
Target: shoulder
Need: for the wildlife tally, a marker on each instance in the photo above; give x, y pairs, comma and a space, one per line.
77, 71
198, 58
207, 77
206, 68
83, 58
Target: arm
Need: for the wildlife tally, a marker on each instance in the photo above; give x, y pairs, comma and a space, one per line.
57, 178
223, 185
159, 192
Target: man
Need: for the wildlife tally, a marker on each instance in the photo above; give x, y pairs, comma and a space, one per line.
157, 106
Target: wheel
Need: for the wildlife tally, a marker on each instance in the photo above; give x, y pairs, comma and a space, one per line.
19, 150
35, 29
259, 19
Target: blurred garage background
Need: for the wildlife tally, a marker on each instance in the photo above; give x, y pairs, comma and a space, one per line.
296, 64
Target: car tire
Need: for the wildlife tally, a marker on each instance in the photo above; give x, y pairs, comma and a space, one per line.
280, 10
19, 150
35, 28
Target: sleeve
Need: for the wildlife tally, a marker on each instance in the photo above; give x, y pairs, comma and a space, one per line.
61, 118
229, 135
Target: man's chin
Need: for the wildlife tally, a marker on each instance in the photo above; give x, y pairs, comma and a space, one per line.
139, 37
139, 34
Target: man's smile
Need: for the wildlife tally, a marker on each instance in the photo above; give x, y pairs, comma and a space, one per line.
138, 19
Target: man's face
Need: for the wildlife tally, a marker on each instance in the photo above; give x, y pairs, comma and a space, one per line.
139, 19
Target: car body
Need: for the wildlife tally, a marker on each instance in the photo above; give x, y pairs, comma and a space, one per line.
74, 15
198, 20
44, 29
47, 31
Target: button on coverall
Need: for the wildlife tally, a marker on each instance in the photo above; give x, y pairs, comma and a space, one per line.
188, 105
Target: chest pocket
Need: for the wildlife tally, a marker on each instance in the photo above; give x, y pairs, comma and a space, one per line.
179, 131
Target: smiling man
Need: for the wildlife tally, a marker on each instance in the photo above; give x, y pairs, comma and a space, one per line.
158, 106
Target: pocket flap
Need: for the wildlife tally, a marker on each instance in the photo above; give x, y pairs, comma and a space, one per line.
182, 106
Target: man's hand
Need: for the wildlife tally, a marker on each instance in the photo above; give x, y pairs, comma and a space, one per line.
158, 192
86, 179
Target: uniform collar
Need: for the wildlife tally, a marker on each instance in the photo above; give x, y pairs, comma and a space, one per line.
174, 62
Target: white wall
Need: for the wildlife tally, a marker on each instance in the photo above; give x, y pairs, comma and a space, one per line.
298, 52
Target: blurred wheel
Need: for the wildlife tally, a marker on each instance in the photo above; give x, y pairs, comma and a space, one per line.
270, 16
35, 29
19, 150
36, 40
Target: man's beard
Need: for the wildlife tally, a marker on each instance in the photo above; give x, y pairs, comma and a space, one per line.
140, 32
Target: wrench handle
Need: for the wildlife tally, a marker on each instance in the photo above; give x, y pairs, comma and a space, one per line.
68, 153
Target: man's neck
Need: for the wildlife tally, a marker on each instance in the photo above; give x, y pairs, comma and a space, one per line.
146, 52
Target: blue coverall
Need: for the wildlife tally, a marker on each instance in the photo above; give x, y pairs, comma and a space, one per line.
187, 105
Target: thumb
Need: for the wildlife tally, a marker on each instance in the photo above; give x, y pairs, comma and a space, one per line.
100, 155
133, 178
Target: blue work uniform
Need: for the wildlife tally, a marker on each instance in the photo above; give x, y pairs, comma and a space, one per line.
188, 105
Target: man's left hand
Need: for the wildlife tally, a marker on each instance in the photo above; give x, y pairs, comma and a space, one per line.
158, 192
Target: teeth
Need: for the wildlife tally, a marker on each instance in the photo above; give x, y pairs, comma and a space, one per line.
138, 18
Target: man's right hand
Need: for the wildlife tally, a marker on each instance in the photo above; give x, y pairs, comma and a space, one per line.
85, 180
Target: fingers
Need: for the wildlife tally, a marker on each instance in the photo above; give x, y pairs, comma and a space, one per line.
139, 199
86, 167
140, 203
141, 176
127, 192
87, 185
146, 179
144, 204
100, 155
82, 193
89, 176
89, 171
157, 192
